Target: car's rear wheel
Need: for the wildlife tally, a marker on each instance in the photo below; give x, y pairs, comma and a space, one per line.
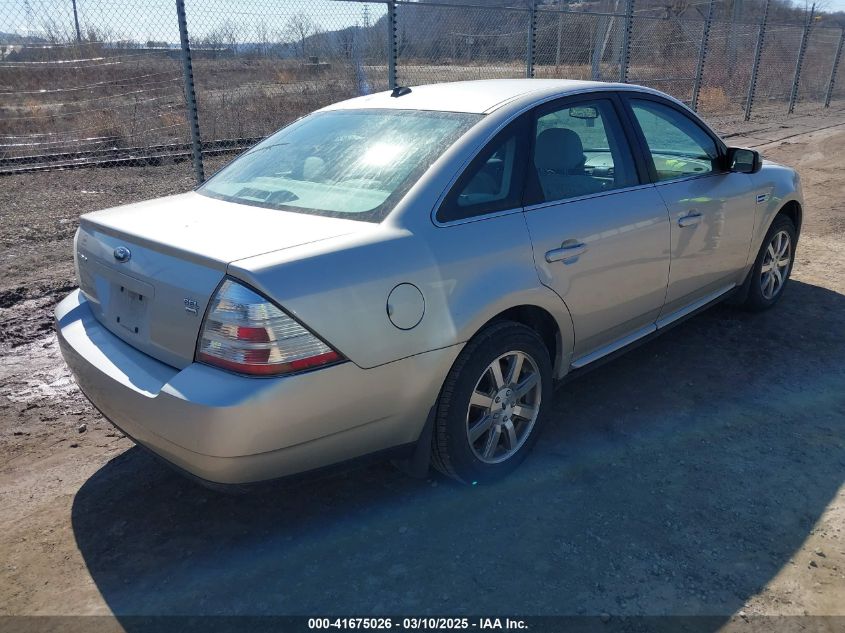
492, 403
773, 265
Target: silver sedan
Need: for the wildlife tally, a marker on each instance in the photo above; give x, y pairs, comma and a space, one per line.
411, 273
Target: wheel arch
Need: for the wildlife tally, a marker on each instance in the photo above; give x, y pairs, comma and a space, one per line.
793, 210
541, 320
543, 323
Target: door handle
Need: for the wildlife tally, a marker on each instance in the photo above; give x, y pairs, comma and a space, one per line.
568, 250
690, 219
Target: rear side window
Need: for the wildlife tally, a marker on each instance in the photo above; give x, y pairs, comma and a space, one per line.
493, 181
679, 147
579, 150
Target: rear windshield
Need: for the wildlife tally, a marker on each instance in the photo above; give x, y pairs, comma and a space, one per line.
354, 164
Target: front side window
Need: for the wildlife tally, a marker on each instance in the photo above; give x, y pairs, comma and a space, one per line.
354, 164
677, 144
580, 150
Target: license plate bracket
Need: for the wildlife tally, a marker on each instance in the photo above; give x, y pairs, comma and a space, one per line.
129, 301
129, 309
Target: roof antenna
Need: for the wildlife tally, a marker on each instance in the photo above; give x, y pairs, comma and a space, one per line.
400, 91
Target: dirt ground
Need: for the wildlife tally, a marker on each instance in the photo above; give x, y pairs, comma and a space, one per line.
700, 474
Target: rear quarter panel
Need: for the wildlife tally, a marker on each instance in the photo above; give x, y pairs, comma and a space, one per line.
467, 274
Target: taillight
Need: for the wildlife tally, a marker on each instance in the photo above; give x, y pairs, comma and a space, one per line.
246, 333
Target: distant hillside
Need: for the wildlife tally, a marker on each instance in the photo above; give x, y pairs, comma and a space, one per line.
16, 38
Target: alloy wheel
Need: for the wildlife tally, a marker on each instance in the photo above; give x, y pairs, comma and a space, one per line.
504, 407
775, 268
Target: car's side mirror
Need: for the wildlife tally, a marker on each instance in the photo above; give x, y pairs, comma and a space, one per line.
744, 161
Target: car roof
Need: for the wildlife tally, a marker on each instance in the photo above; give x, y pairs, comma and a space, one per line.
481, 97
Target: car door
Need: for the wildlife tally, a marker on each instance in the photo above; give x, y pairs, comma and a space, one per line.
599, 230
711, 209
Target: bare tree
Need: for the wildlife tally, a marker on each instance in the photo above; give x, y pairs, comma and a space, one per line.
346, 42
54, 32
299, 28
263, 37
221, 38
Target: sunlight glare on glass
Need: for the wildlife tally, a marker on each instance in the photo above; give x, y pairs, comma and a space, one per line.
382, 154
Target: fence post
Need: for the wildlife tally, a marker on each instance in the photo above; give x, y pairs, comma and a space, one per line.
532, 34
625, 53
730, 41
559, 33
702, 55
836, 59
392, 45
190, 95
76, 22
602, 30
758, 51
805, 36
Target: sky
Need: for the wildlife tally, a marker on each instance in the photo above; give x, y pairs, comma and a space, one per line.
156, 19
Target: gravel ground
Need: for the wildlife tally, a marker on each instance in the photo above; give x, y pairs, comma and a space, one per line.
700, 474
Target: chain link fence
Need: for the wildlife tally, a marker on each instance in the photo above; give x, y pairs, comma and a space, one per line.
87, 82
74, 89
821, 50
660, 54
442, 42
726, 76
578, 45
267, 63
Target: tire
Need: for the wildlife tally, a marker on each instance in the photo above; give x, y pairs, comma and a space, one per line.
517, 416
765, 289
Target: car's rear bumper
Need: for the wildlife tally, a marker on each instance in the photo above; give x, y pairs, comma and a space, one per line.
226, 428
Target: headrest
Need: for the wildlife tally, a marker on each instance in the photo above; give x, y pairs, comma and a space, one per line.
559, 149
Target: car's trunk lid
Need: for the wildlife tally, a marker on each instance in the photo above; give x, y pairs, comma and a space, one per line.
149, 269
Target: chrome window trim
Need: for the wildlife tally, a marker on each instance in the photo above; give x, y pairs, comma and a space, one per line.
589, 196
600, 90
709, 174
475, 218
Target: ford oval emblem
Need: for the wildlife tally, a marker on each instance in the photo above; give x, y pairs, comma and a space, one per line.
122, 254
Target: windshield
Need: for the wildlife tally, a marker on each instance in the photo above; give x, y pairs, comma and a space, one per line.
354, 164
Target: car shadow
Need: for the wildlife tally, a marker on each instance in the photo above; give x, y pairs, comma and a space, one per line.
678, 479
